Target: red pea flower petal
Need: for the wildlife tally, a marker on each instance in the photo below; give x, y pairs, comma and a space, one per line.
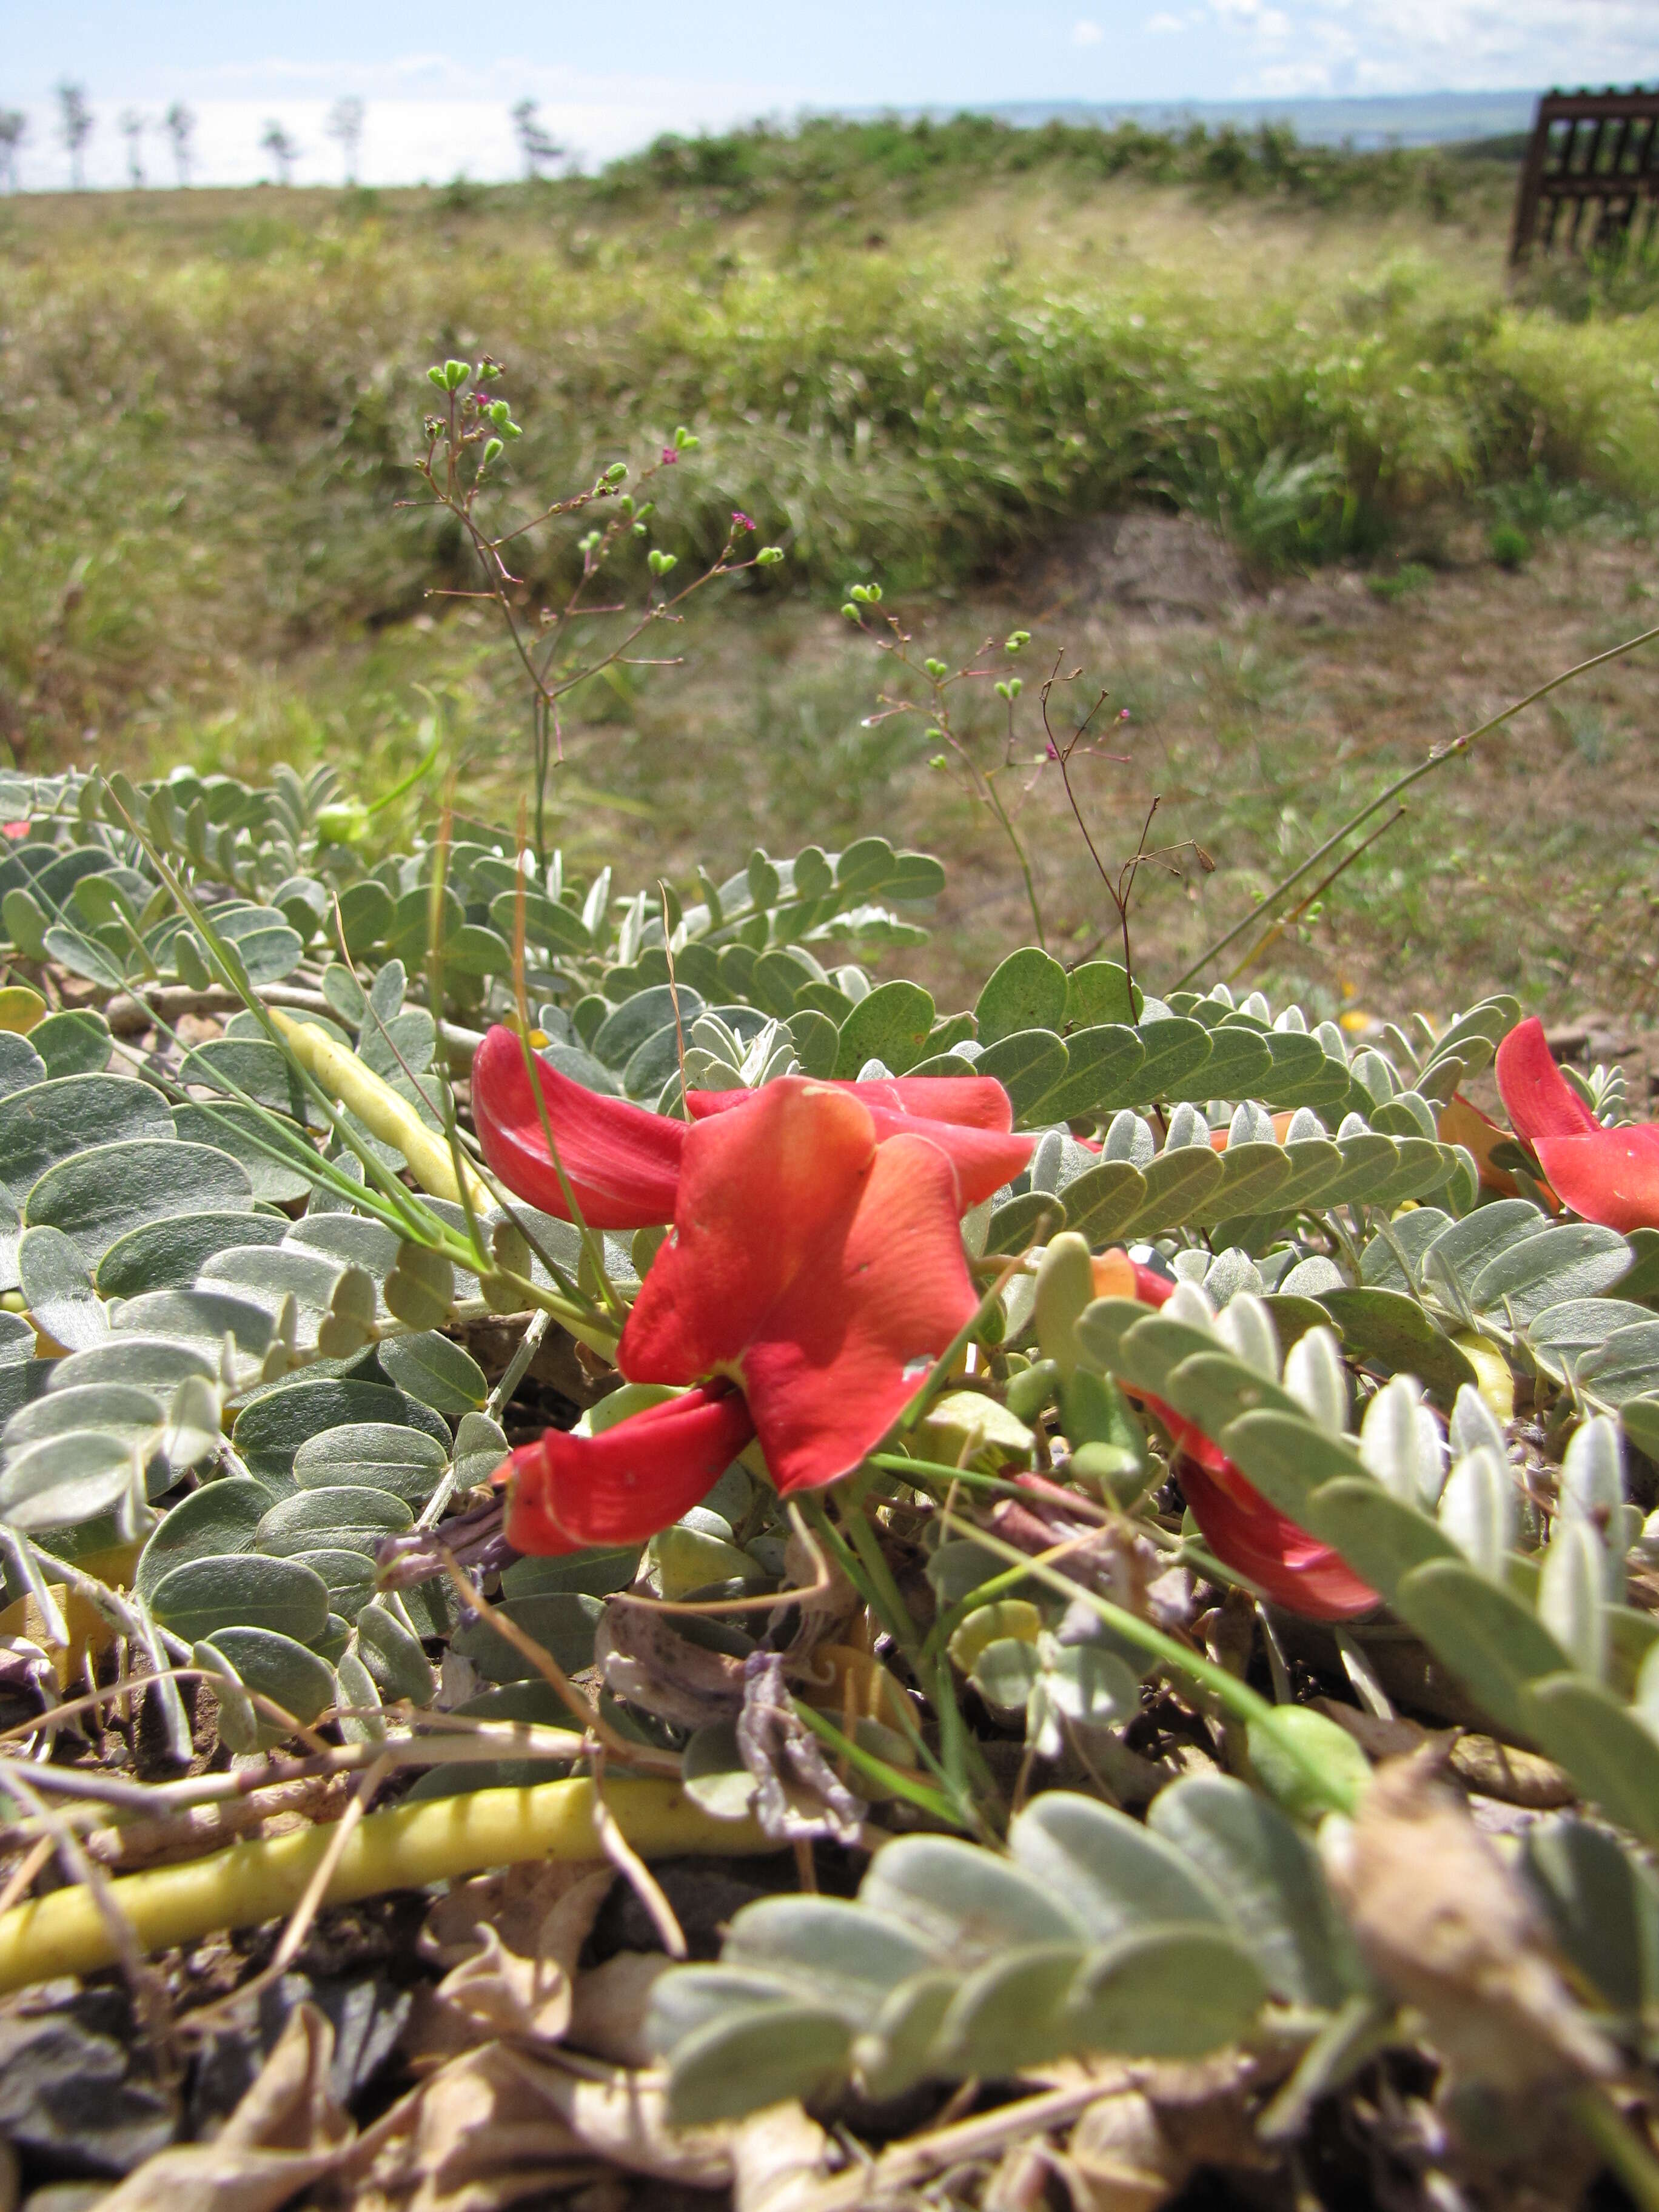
843, 1352
623, 1161
969, 1117
1612, 1177
1289, 1566
566, 1493
1537, 1096
760, 1188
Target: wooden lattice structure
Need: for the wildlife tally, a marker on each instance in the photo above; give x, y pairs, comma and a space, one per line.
1595, 151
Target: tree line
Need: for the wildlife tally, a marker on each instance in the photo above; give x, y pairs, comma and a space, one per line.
76, 125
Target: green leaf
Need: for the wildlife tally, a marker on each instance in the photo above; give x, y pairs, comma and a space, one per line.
1573, 1260
85, 955
102, 1194
647, 1014
216, 1520
200, 1318
1603, 1907
1029, 991
1009, 2012
1253, 1175
62, 1480
1269, 1882
240, 1589
963, 1903
169, 1253
1103, 1200
1179, 1186
58, 1290
1237, 1066
404, 1462
1381, 1539
341, 1516
1029, 1065
1287, 1458
1018, 1220
1098, 992
395, 1660
1483, 1635
890, 1025
437, 1372
365, 914
1609, 1754
74, 1043
1626, 1366
563, 1624
51, 1121
1389, 1331
1165, 1993
1175, 1050
743, 2062
850, 1957
279, 1668
1320, 1742
271, 1429
250, 1136
1113, 1872
1101, 1066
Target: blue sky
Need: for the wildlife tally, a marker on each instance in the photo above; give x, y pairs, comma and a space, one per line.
439, 78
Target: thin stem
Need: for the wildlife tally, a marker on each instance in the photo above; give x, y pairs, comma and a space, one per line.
1437, 759
1012, 836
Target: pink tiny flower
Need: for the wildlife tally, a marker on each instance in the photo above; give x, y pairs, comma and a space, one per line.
1123, 714
13, 830
1053, 750
740, 520
669, 457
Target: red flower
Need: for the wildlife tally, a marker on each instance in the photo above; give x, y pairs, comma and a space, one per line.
815, 1263
1609, 1175
14, 831
624, 1161
1236, 1521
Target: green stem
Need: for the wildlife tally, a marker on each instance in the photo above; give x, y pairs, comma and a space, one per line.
1435, 760
1619, 2143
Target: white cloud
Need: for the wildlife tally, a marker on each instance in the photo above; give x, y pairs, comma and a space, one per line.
1085, 33
1164, 27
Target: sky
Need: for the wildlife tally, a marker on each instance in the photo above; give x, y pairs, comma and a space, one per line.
439, 79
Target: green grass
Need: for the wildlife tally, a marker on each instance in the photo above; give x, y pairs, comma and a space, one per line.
927, 355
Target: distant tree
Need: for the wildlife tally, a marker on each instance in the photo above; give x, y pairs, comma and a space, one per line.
282, 149
345, 126
14, 129
76, 126
133, 127
539, 150
179, 123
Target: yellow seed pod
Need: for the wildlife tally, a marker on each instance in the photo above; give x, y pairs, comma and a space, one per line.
1494, 1378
